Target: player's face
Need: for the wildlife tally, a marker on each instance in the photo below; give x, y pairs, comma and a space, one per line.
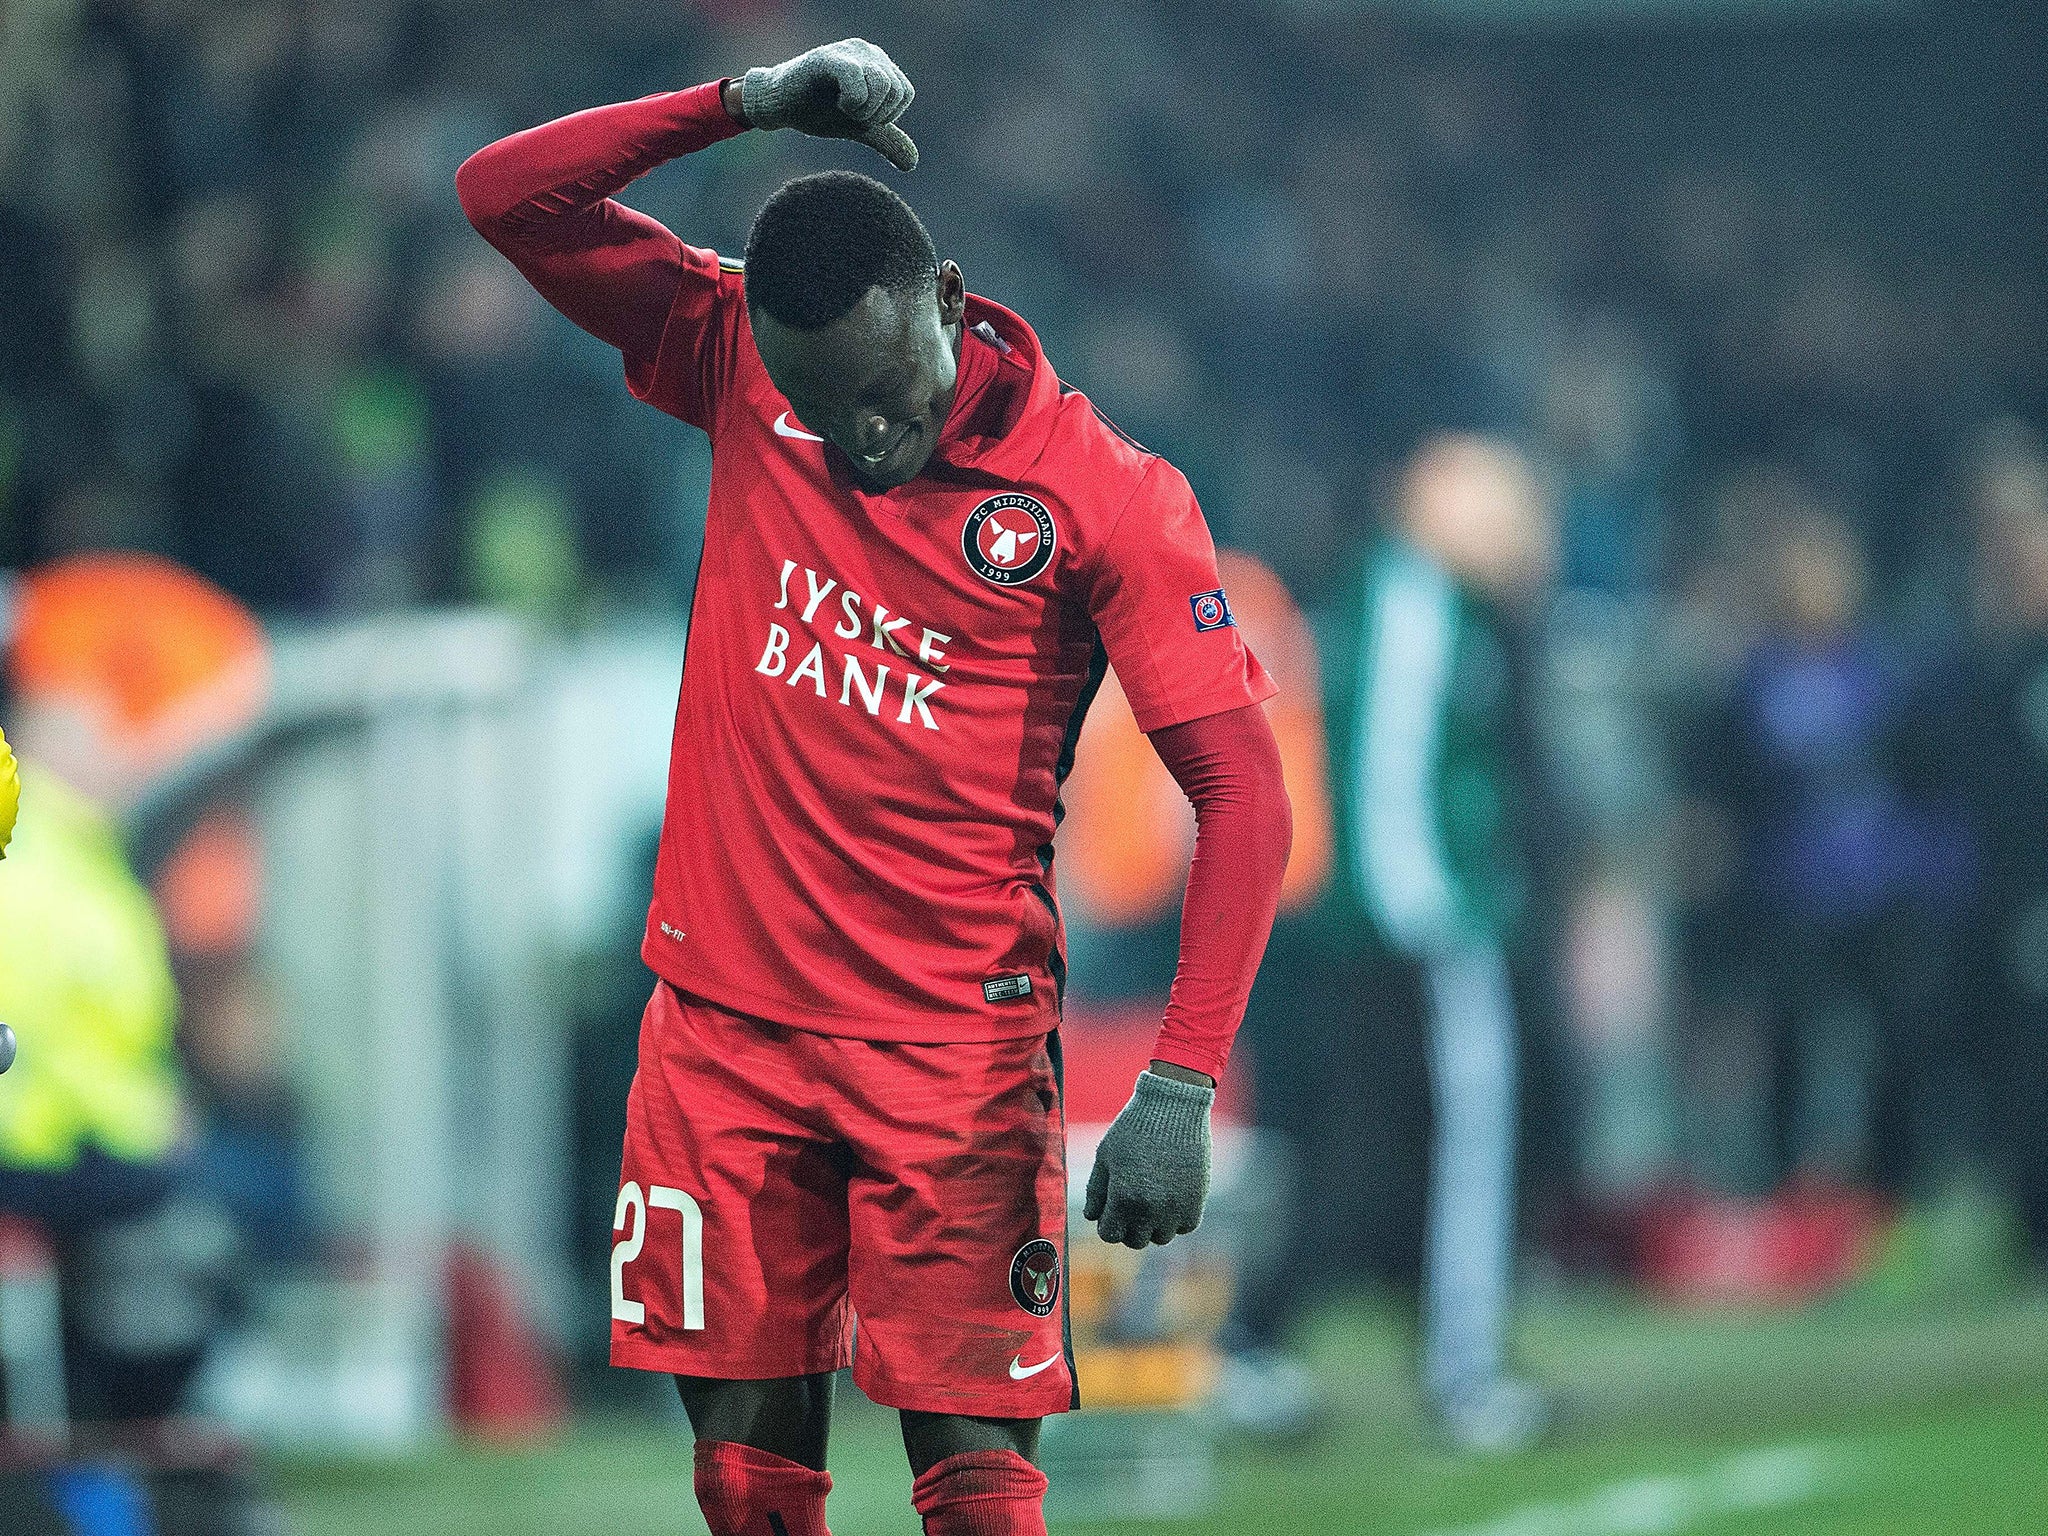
877, 382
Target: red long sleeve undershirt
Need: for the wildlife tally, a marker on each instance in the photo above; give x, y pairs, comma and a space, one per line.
543, 198
1228, 765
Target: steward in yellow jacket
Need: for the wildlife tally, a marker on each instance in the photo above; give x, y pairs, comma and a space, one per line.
85, 979
114, 669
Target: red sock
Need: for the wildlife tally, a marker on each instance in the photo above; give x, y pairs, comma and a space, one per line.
745, 1492
981, 1493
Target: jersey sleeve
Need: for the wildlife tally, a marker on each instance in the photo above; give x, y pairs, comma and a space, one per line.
1164, 618
545, 197
691, 370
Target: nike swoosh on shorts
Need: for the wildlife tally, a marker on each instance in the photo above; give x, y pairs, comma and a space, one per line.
1019, 1370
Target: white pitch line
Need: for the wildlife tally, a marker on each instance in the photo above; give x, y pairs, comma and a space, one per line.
1661, 1506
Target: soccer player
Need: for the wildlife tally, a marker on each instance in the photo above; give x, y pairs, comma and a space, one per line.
922, 551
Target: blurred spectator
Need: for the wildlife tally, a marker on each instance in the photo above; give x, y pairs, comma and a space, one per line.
1831, 932
1434, 795
1130, 831
117, 668
2003, 769
247, 1153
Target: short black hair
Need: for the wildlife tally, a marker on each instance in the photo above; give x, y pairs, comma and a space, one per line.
821, 242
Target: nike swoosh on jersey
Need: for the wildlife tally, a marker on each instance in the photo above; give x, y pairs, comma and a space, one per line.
784, 427
1019, 1370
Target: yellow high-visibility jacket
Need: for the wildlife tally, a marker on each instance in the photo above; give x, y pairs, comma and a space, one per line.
85, 979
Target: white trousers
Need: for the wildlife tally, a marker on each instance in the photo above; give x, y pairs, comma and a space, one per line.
1468, 1257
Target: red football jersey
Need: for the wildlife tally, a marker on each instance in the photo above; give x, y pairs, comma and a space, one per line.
881, 693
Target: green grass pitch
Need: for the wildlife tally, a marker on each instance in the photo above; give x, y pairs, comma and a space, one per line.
1851, 1419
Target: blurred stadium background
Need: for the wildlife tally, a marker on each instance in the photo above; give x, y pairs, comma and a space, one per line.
1758, 291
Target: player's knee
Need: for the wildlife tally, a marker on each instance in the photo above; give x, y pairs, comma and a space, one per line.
740, 1488
789, 1416
982, 1493
931, 1438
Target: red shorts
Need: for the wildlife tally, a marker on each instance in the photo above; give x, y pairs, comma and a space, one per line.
777, 1184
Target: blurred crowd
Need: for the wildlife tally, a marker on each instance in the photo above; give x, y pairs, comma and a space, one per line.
246, 325
1764, 312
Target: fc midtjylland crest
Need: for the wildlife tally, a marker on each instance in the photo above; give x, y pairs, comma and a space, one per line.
1035, 1277
1009, 538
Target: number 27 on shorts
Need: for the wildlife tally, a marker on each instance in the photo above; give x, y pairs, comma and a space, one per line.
632, 1216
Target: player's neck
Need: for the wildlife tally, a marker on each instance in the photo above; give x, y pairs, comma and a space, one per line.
971, 371
956, 338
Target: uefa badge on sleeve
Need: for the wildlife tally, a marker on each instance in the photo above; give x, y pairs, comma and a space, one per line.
1212, 611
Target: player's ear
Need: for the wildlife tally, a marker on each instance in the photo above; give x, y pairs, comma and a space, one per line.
952, 292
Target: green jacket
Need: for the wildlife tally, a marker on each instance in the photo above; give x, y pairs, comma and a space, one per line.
85, 979
1424, 782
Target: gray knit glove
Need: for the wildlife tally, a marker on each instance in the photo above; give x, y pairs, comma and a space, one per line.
1152, 1169
845, 90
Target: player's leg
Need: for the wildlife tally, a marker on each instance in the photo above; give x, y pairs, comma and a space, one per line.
975, 1477
957, 1206
760, 1459
929, 1438
729, 1265
791, 1416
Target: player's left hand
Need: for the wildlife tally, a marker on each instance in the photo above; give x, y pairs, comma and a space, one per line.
1151, 1173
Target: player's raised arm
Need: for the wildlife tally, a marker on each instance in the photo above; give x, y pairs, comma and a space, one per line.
545, 197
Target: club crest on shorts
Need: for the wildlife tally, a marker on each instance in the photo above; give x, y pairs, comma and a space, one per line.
1035, 1277
1009, 539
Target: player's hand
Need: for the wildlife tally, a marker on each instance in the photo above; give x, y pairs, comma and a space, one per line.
1151, 1172
844, 90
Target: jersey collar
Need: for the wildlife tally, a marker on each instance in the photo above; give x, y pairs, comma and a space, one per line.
1004, 428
